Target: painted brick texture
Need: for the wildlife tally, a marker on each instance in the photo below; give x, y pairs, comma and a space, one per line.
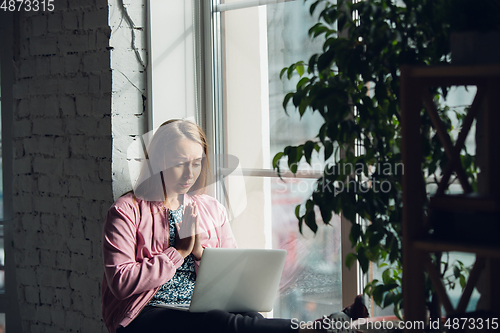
79, 104
63, 148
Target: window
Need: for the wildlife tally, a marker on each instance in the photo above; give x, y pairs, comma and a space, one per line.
174, 60
219, 65
255, 43
237, 97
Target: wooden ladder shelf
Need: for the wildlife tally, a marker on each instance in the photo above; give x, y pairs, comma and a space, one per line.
418, 244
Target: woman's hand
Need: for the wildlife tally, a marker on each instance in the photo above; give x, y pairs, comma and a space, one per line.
197, 248
188, 233
185, 233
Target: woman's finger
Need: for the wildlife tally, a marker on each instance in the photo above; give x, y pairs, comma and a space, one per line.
188, 211
186, 227
195, 209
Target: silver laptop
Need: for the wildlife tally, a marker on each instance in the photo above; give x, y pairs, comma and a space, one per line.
236, 280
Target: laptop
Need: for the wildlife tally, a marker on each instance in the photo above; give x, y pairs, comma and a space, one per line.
235, 280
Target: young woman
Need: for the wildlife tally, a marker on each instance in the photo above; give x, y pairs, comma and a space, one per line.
154, 238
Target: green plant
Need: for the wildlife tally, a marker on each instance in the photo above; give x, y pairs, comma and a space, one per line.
354, 84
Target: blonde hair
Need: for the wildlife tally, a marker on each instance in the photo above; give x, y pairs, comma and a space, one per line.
150, 185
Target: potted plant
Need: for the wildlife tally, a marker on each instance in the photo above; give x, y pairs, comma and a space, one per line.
354, 85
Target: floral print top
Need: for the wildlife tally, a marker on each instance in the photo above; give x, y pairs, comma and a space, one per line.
179, 289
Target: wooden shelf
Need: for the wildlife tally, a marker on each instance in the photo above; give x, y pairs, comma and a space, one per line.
441, 246
466, 203
450, 72
437, 76
455, 219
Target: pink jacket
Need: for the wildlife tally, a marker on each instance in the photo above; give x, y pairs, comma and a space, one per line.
137, 259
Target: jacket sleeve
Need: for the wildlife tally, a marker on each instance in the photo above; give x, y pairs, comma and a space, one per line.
226, 234
129, 266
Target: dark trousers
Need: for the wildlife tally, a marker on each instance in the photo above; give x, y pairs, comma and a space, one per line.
156, 319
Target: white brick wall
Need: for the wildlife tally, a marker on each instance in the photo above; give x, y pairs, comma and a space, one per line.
75, 115
129, 117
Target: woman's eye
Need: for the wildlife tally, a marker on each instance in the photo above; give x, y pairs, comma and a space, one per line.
197, 165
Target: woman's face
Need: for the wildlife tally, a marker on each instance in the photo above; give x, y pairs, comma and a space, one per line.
186, 161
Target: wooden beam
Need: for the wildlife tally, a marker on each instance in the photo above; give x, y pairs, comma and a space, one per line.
445, 140
413, 196
438, 285
474, 275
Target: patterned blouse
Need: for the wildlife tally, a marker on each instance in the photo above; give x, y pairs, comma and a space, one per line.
179, 289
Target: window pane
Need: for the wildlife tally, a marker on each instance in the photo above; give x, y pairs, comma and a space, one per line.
258, 43
175, 97
289, 42
311, 284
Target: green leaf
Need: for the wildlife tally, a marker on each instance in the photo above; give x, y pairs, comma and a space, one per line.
290, 71
309, 205
390, 286
389, 299
293, 158
312, 63
394, 254
376, 238
287, 99
325, 60
463, 282
456, 271
318, 29
308, 148
378, 294
303, 107
328, 150
386, 276
297, 98
363, 260
326, 213
283, 71
302, 81
355, 233
297, 211
350, 259
311, 221
276, 159
397, 310
300, 69
313, 7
